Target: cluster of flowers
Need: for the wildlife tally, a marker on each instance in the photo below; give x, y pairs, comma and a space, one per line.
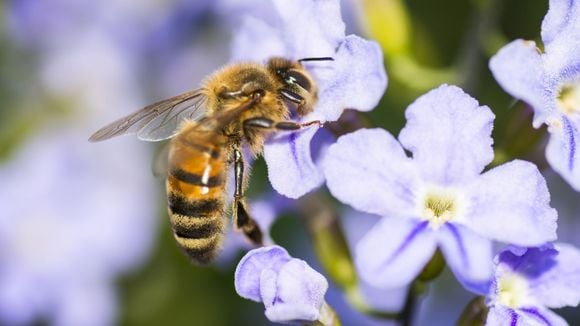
438, 199
441, 197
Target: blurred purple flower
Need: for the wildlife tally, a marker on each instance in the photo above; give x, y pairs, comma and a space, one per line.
529, 281
290, 289
69, 224
73, 217
355, 225
46, 24
550, 83
439, 198
355, 79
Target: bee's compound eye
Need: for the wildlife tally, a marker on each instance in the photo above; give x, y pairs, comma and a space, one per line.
294, 77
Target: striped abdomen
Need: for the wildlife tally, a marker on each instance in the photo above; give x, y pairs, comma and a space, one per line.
195, 194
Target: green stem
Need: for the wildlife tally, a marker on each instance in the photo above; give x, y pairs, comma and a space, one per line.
408, 312
328, 317
520, 138
472, 52
357, 301
474, 314
329, 241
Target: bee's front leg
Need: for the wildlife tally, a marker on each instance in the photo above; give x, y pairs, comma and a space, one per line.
248, 90
242, 219
268, 124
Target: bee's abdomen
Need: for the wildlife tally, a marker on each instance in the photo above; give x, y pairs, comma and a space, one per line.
198, 226
195, 195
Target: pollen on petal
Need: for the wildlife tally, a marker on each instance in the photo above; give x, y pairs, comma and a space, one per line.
440, 205
568, 99
513, 291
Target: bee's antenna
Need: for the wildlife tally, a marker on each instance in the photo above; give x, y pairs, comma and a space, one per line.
316, 59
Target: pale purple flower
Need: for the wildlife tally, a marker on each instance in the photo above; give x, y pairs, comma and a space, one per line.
355, 225
72, 218
290, 289
43, 25
356, 78
550, 82
529, 281
439, 197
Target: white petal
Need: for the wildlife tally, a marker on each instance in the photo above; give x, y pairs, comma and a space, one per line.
449, 135
369, 170
394, 252
468, 255
511, 203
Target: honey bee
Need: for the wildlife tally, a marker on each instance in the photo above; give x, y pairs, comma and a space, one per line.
236, 108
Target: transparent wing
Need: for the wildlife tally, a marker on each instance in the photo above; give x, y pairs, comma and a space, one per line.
214, 123
157, 121
160, 162
167, 123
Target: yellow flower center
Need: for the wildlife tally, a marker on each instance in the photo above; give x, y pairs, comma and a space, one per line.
439, 206
568, 98
513, 291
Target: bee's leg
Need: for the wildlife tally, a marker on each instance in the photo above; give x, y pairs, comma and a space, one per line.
242, 219
265, 123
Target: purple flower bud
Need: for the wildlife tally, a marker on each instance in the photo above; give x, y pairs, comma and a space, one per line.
289, 288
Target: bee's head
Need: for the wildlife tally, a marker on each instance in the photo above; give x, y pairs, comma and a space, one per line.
298, 87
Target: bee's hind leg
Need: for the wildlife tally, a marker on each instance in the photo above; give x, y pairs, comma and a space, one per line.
242, 219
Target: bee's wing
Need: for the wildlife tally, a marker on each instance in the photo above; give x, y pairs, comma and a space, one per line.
208, 129
157, 121
214, 123
160, 162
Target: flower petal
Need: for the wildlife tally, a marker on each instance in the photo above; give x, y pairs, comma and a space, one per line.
511, 203
500, 315
394, 252
357, 79
562, 16
86, 304
560, 34
268, 286
369, 170
250, 267
563, 152
559, 286
356, 224
528, 262
468, 255
449, 135
518, 68
310, 28
383, 299
255, 34
300, 293
540, 316
291, 170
